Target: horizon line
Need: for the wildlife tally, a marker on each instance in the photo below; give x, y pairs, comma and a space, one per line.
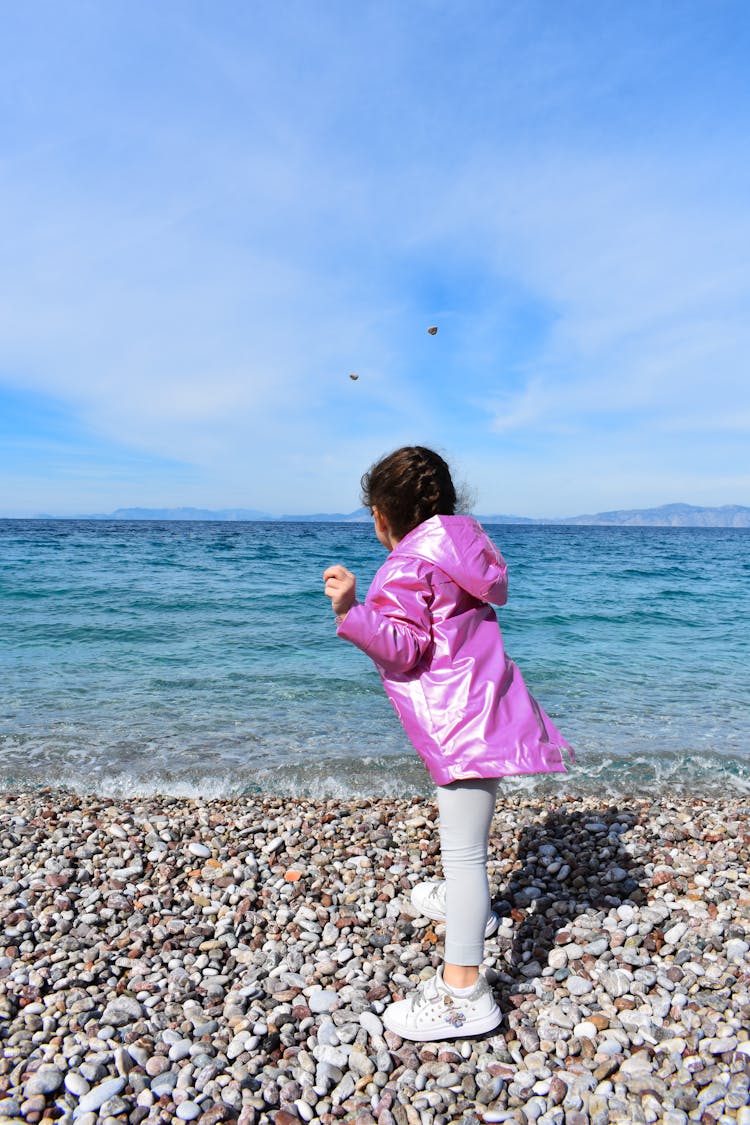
193, 514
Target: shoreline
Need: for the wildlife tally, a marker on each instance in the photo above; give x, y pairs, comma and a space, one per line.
173, 959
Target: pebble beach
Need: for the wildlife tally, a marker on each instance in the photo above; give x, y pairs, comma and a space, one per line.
166, 960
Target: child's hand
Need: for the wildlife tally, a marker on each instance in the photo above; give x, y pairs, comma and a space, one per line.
341, 588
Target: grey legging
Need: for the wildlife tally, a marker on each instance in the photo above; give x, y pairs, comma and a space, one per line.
466, 809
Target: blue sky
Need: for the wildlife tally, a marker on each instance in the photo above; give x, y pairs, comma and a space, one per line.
210, 214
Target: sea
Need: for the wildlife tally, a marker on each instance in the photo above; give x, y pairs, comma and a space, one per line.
201, 659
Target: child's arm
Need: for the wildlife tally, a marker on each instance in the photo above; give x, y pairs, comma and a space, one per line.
394, 625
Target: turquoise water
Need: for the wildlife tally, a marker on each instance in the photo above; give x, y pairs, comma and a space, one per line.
200, 658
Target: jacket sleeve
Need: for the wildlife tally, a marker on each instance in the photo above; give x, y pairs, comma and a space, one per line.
493, 567
393, 626
497, 592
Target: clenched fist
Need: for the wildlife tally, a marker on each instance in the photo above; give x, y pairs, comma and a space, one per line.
341, 588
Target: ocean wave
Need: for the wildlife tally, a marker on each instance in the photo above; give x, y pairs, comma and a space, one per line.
639, 775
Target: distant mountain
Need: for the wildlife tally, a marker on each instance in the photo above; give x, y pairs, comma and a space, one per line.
668, 515
512, 519
194, 514
360, 516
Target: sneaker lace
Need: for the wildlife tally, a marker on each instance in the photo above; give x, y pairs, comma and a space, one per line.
424, 992
436, 895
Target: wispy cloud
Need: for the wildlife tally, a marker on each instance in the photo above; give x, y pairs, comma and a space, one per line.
209, 218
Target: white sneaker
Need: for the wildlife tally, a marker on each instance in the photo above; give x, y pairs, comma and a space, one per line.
434, 1012
429, 900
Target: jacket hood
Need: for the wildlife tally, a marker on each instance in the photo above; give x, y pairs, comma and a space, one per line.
460, 547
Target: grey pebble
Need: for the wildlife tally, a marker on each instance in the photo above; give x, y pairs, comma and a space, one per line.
46, 1080
122, 1010
164, 1083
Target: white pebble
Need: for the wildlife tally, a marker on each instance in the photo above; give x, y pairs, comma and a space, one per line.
336, 1056
370, 1022
610, 1047
188, 1111
736, 949
719, 1045
322, 1000
579, 986
597, 947
180, 1050
672, 1046
638, 1065
238, 1043
76, 1084
97, 1096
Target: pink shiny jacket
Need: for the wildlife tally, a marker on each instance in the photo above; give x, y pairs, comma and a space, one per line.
436, 643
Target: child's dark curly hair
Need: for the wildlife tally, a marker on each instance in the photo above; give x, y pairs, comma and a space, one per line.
408, 486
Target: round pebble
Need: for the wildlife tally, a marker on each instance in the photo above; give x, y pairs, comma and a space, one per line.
188, 1111
76, 1084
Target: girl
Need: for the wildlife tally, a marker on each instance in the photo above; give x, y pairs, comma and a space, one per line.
435, 641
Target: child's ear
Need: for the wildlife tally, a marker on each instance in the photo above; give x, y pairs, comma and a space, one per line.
380, 520
383, 529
